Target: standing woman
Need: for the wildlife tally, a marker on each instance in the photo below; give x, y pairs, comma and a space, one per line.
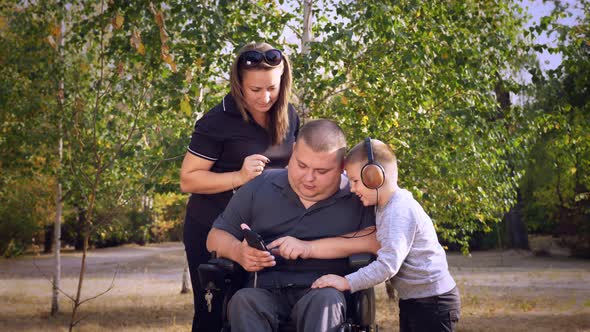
253, 128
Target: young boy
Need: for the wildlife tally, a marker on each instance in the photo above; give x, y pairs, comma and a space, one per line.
410, 253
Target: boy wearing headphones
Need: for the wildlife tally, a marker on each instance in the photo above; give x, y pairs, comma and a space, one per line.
410, 254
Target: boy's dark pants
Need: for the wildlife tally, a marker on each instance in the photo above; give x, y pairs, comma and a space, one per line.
430, 314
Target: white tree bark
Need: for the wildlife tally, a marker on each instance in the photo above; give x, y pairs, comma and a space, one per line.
56, 251
307, 24
306, 38
185, 288
58, 197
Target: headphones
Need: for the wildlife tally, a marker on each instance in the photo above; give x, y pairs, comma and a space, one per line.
372, 174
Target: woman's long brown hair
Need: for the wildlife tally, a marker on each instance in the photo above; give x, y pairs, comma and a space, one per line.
279, 112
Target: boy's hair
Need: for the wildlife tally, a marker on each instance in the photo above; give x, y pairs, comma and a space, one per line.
323, 136
382, 154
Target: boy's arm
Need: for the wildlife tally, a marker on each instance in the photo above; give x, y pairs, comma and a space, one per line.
397, 240
363, 241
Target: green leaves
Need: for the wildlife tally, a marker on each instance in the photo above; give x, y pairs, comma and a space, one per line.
426, 77
420, 76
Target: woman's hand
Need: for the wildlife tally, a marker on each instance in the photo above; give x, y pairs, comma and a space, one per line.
252, 167
332, 280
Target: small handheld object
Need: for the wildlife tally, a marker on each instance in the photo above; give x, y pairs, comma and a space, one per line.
254, 240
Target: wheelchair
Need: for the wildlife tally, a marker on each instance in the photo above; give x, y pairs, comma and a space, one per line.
221, 278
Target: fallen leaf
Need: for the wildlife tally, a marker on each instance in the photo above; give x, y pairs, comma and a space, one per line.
120, 69
189, 76
136, 43
84, 67
52, 42
56, 31
199, 63
163, 36
3, 23
185, 105
118, 21
168, 58
344, 100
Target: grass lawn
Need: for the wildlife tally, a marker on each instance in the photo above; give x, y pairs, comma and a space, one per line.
501, 291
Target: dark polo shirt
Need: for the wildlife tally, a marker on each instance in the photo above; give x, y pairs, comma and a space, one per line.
223, 137
271, 208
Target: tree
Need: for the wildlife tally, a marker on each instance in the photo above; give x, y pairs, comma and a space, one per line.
422, 75
29, 140
557, 186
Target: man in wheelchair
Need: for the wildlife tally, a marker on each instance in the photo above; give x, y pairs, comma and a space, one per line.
290, 209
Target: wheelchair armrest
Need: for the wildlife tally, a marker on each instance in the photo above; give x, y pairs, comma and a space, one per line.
226, 265
221, 277
219, 271
357, 261
362, 310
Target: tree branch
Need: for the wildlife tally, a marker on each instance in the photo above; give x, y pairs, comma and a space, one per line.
51, 281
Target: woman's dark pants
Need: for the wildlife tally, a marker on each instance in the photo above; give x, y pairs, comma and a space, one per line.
195, 240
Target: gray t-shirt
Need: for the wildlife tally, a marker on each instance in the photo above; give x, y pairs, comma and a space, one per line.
410, 252
271, 208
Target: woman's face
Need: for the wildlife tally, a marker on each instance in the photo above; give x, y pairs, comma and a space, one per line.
261, 88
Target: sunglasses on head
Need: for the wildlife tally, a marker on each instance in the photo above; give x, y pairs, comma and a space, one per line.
253, 58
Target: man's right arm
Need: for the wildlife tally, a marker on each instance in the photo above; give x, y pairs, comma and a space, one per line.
223, 243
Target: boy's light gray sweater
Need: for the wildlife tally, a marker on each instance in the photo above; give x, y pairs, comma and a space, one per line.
410, 252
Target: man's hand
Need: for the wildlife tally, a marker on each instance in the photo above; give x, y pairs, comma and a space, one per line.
290, 247
253, 260
332, 280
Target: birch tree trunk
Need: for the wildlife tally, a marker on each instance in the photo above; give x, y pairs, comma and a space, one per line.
306, 38
57, 250
307, 24
185, 288
58, 196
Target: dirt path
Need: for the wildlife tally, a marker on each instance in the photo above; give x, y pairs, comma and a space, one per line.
163, 260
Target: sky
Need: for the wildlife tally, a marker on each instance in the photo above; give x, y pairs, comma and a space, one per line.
538, 9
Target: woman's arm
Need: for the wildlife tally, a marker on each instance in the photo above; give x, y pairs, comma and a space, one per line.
196, 175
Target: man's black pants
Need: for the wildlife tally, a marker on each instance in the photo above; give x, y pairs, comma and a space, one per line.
430, 314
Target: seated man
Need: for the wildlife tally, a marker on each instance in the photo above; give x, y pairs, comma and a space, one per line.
305, 201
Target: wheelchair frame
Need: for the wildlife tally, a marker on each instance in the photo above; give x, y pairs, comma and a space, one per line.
223, 277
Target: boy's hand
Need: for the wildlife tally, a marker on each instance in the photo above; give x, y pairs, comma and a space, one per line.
290, 247
332, 280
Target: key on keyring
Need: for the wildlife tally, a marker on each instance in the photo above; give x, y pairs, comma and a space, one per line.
209, 298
